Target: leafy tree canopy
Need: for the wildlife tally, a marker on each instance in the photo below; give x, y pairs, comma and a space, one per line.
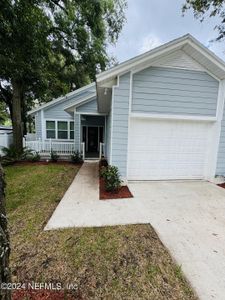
50, 47
54, 46
208, 8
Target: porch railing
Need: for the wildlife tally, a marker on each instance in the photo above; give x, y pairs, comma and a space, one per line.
101, 150
82, 147
45, 147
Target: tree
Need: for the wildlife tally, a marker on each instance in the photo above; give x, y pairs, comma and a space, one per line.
50, 47
4, 242
4, 114
208, 8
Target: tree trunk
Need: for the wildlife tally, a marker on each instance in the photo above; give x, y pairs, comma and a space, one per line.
5, 294
17, 116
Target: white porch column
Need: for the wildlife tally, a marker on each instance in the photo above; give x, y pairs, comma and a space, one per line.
77, 127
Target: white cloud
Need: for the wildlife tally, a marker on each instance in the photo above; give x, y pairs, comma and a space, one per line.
149, 42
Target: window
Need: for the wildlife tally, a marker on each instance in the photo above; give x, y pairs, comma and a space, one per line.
71, 130
50, 129
62, 130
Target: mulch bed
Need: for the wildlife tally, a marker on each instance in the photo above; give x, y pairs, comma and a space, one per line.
123, 192
44, 295
44, 162
222, 185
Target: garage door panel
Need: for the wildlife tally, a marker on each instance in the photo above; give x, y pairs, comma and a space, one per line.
167, 149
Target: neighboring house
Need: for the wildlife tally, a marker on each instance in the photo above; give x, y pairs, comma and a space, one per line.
160, 114
6, 137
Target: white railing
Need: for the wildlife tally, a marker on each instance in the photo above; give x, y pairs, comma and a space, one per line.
30, 137
45, 147
101, 150
82, 147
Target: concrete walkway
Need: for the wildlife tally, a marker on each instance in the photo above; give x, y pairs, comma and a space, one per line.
81, 207
188, 216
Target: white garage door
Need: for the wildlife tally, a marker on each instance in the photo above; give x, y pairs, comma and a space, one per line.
167, 149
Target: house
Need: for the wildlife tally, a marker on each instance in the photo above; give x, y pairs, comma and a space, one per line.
160, 115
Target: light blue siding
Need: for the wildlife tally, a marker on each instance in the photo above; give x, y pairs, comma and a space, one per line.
174, 91
108, 135
120, 116
220, 170
38, 125
77, 131
57, 111
89, 107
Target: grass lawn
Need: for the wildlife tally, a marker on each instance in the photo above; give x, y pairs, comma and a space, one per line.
123, 262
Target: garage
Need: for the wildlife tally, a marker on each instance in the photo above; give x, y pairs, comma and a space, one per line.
168, 149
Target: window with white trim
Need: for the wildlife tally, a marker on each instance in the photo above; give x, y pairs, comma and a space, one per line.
50, 130
62, 130
71, 130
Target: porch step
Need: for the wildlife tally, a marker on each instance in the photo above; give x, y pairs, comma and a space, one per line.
92, 159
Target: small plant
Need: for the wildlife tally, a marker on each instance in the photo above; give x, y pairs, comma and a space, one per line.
36, 157
76, 157
112, 178
54, 156
103, 172
33, 157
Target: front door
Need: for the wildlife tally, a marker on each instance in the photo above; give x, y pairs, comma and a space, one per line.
92, 139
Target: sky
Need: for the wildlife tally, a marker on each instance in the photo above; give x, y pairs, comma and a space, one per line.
151, 23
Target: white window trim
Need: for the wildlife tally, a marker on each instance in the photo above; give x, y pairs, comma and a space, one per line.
56, 129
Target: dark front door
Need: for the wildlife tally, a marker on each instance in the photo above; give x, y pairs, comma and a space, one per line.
92, 139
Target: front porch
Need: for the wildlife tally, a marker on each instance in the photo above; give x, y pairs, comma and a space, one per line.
92, 135
89, 139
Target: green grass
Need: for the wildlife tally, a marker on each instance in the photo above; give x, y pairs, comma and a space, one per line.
123, 262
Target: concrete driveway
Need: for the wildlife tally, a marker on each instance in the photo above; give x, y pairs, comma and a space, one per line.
189, 218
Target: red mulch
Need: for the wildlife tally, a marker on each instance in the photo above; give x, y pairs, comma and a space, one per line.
123, 192
222, 185
43, 295
41, 163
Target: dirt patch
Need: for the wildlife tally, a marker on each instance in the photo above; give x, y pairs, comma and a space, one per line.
123, 192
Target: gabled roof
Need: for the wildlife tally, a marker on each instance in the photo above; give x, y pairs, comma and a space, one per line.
187, 43
63, 98
88, 98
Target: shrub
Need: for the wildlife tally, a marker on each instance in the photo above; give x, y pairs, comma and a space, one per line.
33, 157
112, 178
36, 157
103, 172
12, 155
54, 156
76, 157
